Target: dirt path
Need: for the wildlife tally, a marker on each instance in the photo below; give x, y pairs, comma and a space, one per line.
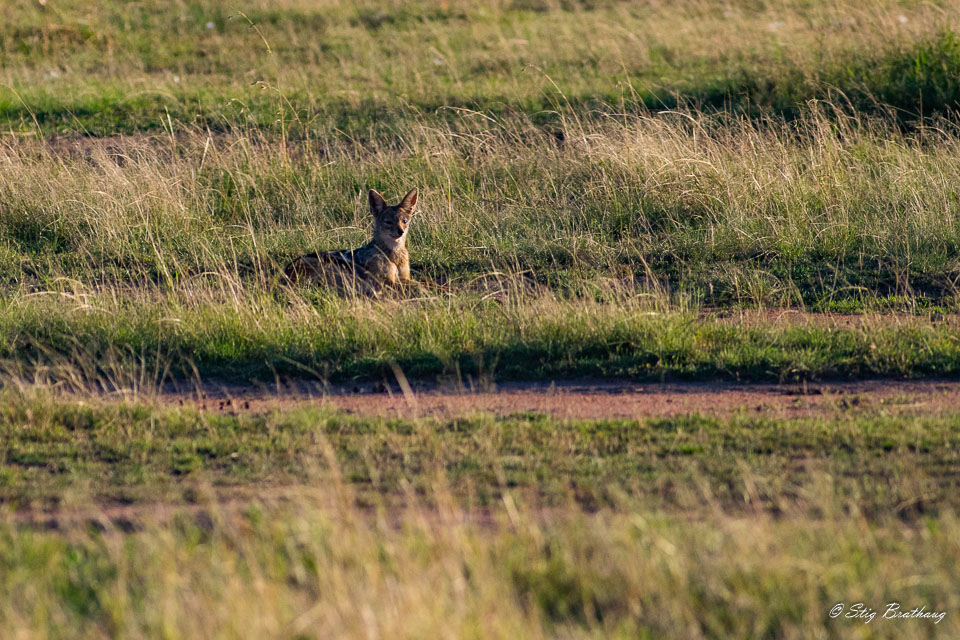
588, 399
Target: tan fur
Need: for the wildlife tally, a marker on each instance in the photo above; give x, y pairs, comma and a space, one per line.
382, 263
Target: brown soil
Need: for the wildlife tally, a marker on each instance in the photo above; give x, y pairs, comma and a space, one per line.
590, 399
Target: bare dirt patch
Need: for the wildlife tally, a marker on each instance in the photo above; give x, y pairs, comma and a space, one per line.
588, 399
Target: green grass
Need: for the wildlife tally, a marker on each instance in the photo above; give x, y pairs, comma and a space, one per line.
104, 68
872, 462
163, 163
814, 212
748, 525
605, 188
314, 571
94, 343
310, 571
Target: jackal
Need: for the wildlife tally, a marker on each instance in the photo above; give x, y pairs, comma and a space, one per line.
382, 263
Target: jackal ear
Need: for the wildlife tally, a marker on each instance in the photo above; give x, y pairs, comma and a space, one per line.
377, 203
409, 201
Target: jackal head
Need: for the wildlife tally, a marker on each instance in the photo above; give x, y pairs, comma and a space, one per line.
390, 223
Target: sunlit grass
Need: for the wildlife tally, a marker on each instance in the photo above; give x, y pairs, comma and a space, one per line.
608, 189
305, 67
68, 454
307, 571
722, 211
152, 522
102, 341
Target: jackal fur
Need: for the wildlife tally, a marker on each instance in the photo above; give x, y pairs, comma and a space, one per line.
381, 264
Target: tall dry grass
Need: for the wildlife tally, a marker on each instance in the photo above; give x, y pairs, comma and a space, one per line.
164, 251
730, 209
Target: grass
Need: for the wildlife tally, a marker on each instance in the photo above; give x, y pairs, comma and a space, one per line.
608, 189
315, 571
474, 525
159, 159
95, 342
164, 252
869, 461
318, 571
724, 212
102, 68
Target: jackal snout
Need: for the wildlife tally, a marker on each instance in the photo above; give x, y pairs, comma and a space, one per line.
391, 222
